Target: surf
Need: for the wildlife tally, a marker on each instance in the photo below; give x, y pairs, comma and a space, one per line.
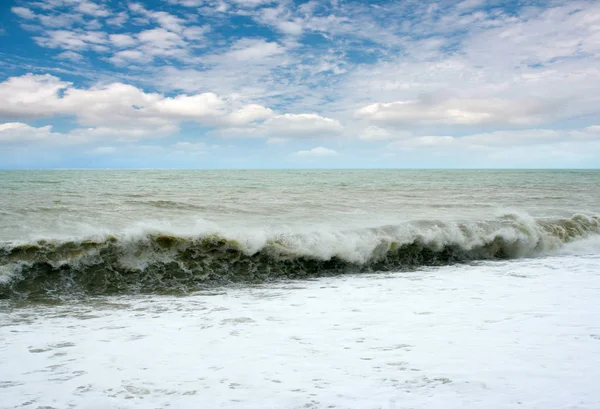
162, 262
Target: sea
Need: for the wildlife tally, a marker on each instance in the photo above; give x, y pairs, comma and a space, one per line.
300, 289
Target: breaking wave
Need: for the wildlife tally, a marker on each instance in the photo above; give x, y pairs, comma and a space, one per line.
163, 263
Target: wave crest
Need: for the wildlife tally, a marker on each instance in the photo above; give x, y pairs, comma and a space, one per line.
165, 263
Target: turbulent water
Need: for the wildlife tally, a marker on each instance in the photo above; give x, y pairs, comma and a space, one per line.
119, 232
300, 289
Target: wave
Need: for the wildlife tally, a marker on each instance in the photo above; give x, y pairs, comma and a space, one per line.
166, 263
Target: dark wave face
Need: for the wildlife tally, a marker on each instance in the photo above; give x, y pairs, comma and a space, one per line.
160, 263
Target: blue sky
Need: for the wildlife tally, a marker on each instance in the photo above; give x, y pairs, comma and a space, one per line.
299, 84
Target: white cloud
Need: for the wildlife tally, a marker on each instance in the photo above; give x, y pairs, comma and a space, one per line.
302, 125
169, 21
594, 129
121, 111
159, 42
73, 40
125, 133
129, 56
122, 40
319, 151
290, 27
17, 132
280, 18
118, 19
70, 55
23, 12
460, 111
279, 128
194, 33
447, 68
248, 49
92, 9
497, 139
55, 21
252, 3
198, 107
249, 113
31, 96
197, 147
375, 133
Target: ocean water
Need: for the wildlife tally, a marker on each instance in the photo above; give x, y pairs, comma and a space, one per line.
300, 289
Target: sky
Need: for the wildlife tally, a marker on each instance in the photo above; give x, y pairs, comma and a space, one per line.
299, 84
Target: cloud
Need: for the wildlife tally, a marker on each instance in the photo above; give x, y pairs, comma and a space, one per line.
23, 12
31, 96
16, 132
443, 77
168, 21
191, 147
149, 44
280, 128
92, 9
248, 114
124, 133
118, 19
74, 40
302, 125
249, 49
497, 139
461, 111
196, 107
129, 56
160, 41
319, 151
127, 112
593, 130
70, 55
252, 3
122, 40
375, 133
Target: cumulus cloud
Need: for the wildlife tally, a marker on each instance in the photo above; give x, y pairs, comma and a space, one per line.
127, 112
42, 95
302, 125
198, 107
249, 113
319, 151
461, 111
31, 96
122, 40
16, 132
127, 109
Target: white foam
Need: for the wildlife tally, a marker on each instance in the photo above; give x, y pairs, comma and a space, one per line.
524, 334
7, 273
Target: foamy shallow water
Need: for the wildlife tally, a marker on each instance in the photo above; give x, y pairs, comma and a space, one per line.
522, 333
